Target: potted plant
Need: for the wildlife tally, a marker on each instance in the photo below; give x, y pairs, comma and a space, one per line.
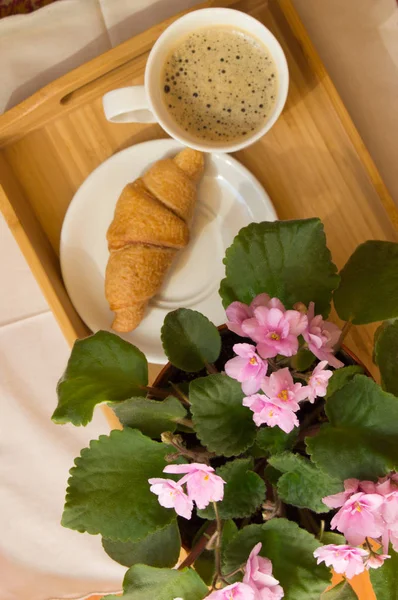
263, 447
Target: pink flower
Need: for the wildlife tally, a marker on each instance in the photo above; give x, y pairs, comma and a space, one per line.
318, 382
368, 487
275, 331
351, 487
258, 575
388, 488
236, 591
389, 508
270, 414
360, 517
390, 536
203, 485
247, 368
238, 312
321, 336
376, 560
281, 390
171, 495
344, 559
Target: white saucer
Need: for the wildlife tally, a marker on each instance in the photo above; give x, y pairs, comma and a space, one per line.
229, 198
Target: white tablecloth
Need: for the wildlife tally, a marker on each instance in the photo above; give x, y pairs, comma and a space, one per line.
358, 41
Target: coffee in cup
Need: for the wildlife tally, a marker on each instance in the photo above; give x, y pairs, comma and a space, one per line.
256, 81
219, 84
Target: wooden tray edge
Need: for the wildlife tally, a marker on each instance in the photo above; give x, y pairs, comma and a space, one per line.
319, 68
33, 112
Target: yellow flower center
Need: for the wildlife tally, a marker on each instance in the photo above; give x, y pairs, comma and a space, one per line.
358, 507
253, 361
284, 395
275, 336
206, 478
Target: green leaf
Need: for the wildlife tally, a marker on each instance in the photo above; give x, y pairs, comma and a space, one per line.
205, 566
159, 549
286, 259
190, 340
271, 475
101, 368
329, 537
360, 439
221, 421
291, 551
302, 360
273, 440
229, 531
148, 583
386, 355
342, 591
226, 292
385, 579
108, 489
341, 377
256, 452
368, 290
302, 483
151, 417
244, 491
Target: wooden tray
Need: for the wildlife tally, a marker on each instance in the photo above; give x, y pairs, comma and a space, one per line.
312, 163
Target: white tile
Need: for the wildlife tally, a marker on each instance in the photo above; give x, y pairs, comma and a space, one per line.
36, 458
126, 18
20, 296
38, 47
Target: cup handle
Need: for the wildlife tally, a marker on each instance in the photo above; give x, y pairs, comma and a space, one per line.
128, 105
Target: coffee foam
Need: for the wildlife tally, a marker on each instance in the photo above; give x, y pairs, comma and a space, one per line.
220, 84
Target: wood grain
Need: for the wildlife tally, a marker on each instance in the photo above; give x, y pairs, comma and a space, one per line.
312, 163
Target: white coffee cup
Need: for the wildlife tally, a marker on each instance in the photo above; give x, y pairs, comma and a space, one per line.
145, 104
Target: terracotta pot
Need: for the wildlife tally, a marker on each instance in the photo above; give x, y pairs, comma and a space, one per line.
361, 583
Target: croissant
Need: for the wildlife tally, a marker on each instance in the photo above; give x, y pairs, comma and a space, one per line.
150, 224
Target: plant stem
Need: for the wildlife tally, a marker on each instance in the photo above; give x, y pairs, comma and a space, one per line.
232, 573
158, 393
344, 332
272, 506
211, 369
262, 463
321, 530
217, 549
183, 397
300, 375
174, 440
185, 422
282, 362
199, 546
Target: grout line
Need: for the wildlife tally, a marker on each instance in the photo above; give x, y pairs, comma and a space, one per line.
26, 318
104, 24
